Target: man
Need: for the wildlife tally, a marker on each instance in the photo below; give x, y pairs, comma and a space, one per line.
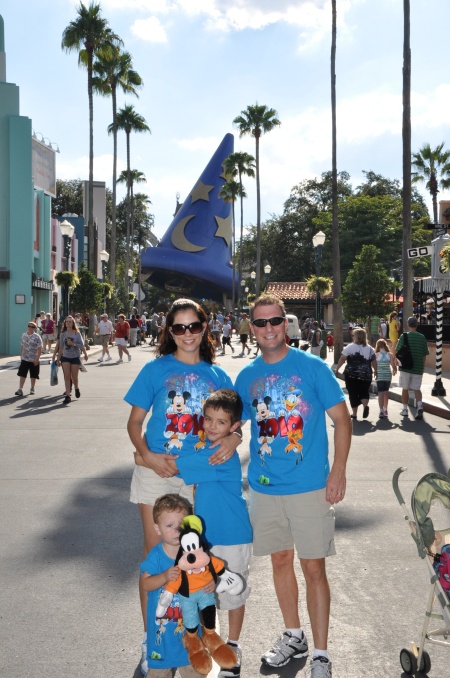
412, 379
105, 329
244, 331
286, 393
30, 352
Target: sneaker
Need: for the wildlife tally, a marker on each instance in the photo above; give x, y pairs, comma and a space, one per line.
129, 358
144, 662
100, 360
77, 393
67, 400
381, 415
248, 350
365, 412
386, 413
235, 671
19, 392
404, 412
284, 649
119, 361
31, 391
232, 350
419, 414
319, 667
108, 358
241, 354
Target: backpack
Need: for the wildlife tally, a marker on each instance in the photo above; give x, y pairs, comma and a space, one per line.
404, 355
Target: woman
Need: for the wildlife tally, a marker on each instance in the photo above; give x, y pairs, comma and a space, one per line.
360, 358
394, 329
385, 367
122, 336
174, 386
48, 327
68, 348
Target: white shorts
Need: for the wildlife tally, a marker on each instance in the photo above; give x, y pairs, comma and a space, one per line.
121, 342
237, 559
410, 381
147, 486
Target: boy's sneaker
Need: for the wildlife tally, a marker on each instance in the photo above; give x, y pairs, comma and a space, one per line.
144, 662
31, 391
319, 667
19, 392
234, 672
419, 414
404, 412
284, 649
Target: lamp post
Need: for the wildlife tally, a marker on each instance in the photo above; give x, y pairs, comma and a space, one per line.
253, 277
242, 292
318, 242
130, 282
67, 231
104, 258
267, 269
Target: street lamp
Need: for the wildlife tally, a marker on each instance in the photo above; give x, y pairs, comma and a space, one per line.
318, 242
242, 292
267, 269
67, 231
104, 258
253, 277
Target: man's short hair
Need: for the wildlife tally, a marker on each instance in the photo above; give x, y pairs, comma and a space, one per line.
169, 503
412, 321
267, 300
227, 400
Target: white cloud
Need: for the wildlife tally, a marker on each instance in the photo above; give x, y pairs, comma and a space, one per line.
199, 144
150, 30
79, 168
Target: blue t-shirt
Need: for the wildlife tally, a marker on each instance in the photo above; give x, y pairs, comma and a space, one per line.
286, 402
176, 392
218, 497
165, 649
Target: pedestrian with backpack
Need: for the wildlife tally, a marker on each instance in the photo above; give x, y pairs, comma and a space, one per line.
411, 377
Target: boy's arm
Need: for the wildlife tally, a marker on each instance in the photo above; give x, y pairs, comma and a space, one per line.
152, 582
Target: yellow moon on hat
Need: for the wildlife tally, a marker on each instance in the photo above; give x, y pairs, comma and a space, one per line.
180, 241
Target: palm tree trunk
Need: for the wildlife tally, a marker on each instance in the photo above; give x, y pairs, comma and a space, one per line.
112, 247
241, 240
258, 220
406, 134
336, 254
132, 206
127, 243
233, 254
91, 229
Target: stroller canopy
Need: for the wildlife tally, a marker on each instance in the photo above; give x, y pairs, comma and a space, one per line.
431, 487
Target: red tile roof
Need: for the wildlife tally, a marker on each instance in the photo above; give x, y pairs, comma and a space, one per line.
293, 291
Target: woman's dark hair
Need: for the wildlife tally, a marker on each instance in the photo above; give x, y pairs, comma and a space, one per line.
168, 345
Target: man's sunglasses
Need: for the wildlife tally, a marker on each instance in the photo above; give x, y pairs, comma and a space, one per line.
194, 328
262, 322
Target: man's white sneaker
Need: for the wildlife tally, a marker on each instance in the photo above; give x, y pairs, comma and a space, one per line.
19, 392
319, 667
419, 414
284, 649
404, 412
100, 360
108, 358
119, 361
129, 358
32, 391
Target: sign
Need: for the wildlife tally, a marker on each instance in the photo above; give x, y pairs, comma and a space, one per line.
44, 167
419, 252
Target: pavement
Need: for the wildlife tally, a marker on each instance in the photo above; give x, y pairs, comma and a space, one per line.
71, 540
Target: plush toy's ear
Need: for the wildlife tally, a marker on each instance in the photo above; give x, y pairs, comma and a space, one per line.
192, 522
179, 554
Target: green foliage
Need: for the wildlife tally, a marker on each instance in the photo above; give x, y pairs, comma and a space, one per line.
366, 287
88, 295
67, 279
317, 283
69, 197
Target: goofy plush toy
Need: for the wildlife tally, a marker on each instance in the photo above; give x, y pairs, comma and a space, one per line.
197, 569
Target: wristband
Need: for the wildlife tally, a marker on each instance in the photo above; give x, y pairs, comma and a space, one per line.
237, 434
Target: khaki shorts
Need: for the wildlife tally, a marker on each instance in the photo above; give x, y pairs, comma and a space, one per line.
147, 486
237, 559
104, 338
281, 522
184, 671
410, 381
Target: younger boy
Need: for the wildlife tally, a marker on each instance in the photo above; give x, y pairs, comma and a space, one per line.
220, 504
165, 649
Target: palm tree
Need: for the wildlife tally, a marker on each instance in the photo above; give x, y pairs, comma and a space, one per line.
240, 163
114, 70
257, 120
230, 192
433, 168
87, 34
407, 274
136, 177
129, 121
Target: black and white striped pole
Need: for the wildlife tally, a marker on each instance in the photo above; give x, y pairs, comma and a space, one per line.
440, 280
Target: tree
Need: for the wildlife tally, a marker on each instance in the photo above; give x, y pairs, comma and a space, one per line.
114, 70
69, 198
240, 163
88, 34
129, 121
136, 177
433, 168
87, 296
254, 121
366, 287
230, 191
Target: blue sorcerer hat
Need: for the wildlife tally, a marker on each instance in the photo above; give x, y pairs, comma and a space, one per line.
194, 256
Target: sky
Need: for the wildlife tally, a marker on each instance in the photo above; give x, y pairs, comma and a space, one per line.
204, 61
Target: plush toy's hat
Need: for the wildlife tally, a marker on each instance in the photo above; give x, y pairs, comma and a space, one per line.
193, 257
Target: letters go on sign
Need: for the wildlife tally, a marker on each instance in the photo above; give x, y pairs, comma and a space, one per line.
419, 252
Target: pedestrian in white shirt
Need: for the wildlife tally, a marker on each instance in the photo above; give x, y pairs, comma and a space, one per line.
105, 329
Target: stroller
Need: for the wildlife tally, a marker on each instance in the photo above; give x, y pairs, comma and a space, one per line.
433, 546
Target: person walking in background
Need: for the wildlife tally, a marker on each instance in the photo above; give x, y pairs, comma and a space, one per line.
385, 366
411, 379
315, 338
134, 326
105, 330
67, 352
30, 352
215, 328
226, 336
394, 329
122, 336
330, 342
244, 331
48, 328
360, 359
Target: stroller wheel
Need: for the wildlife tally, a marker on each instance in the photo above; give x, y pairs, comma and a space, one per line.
425, 664
408, 662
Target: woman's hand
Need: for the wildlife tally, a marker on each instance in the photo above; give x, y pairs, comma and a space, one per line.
227, 447
159, 463
86, 358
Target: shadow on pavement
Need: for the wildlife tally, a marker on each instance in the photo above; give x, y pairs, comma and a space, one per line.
35, 405
289, 671
351, 520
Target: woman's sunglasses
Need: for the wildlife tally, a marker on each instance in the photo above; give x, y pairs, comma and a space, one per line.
262, 322
194, 328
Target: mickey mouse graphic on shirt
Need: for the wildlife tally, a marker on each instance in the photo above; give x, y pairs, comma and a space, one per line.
180, 421
262, 414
